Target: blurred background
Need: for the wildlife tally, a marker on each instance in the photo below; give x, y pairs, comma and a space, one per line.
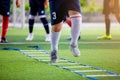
91, 12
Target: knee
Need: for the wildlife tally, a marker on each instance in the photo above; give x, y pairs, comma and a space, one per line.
31, 17
57, 27
74, 13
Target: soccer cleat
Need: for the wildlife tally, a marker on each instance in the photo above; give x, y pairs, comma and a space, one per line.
75, 50
48, 38
54, 57
3, 40
30, 37
105, 37
69, 38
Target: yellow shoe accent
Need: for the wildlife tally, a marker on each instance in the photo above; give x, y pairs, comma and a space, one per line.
105, 37
109, 37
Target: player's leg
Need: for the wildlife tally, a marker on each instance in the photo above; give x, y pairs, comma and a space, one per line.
117, 15
42, 16
107, 23
76, 19
107, 28
106, 11
33, 12
55, 36
46, 26
57, 22
31, 25
117, 10
68, 21
5, 12
5, 21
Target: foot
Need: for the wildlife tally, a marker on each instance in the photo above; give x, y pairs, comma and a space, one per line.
3, 40
75, 50
105, 37
30, 37
69, 38
48, 38
54, 57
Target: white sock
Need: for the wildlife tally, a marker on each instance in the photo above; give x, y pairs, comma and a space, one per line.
55, 36
75, 31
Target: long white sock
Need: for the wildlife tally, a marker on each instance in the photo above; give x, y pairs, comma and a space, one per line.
75, 31
55, 36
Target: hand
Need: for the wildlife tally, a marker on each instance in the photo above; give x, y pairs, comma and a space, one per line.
18, 3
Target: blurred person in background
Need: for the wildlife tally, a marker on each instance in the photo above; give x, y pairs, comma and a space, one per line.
109, 6
5, 12
37, 7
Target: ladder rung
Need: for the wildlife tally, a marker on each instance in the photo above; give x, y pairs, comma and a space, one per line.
106, 75
77, 67
88, 71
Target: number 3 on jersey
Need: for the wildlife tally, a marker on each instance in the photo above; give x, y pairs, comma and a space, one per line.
54, 15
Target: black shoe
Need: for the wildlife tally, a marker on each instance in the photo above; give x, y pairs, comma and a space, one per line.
3, 40
54, 57
79, 37
69, 38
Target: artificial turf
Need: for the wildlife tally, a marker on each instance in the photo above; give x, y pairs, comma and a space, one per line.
103, 54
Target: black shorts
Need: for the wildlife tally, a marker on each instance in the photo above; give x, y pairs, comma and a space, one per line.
108, 10
5, 7
59, 9
37, 7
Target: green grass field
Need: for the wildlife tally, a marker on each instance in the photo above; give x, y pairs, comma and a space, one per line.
103, 54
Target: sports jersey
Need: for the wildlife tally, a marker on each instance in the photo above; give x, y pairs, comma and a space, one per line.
5, 7
107, 9
37, 7
59, 9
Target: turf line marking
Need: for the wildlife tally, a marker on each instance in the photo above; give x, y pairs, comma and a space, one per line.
64, 42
